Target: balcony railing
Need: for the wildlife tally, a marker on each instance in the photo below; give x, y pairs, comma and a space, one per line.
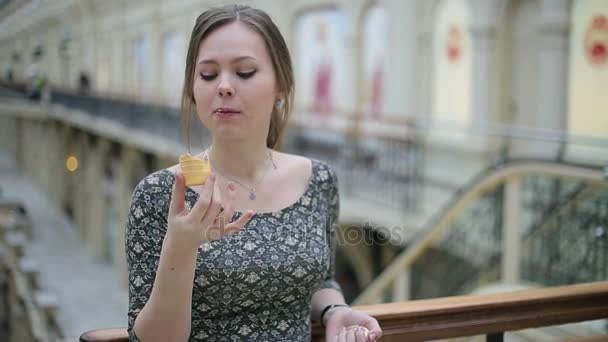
489, 231
491, 315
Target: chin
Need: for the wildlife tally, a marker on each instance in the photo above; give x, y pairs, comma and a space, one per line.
229, 133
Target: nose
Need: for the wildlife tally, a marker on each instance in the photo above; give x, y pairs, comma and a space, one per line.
225, 89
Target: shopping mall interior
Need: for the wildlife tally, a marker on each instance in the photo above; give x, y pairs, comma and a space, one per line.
469, 138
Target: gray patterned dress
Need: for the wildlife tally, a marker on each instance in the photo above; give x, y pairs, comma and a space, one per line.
254, 285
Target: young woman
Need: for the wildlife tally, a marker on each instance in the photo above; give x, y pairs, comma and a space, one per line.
248, 256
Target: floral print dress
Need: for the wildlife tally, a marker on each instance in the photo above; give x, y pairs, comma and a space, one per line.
254, 285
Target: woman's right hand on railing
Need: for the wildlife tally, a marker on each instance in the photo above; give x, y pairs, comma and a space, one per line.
206, 221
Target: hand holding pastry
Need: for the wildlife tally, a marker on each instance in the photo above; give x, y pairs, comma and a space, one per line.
202, 223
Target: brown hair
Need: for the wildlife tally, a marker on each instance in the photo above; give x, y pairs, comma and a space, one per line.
261, 23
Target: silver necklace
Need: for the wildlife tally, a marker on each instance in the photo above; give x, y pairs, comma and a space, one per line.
252, 189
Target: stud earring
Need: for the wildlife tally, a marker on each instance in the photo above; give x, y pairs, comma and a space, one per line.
279, 103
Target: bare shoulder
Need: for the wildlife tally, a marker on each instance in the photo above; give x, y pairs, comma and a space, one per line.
293, 163
294, 171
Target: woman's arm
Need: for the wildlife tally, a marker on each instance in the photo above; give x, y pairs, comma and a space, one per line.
342, 323
329, 291
322, 298
167, 314
162, 247
161, 272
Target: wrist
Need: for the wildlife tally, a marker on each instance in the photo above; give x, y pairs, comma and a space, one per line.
327, 312
178, 246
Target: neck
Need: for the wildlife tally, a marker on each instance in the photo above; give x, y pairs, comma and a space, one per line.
240, 161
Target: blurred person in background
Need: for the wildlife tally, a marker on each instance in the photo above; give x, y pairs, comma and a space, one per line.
10, 75
249, 255
37, 80
84, 83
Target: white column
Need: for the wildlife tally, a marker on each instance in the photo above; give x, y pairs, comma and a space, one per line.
401, 84
424, 92
96, 206
401, 287
155, 67
26, 144
63, 181
79, 196
424, 70
118, 79
554, 26
349, 91
87, 57
511, 235
52, 62
47, 153
42, 155
484, 40
124, 189
58, 132
155, 90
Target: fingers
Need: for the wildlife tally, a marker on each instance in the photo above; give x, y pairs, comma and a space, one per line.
229, 205
178, 195
352, 334
343, 337
375, 332
213, 210
361, 334
237, 225
340, 337
204, 199
375, 335
332, 331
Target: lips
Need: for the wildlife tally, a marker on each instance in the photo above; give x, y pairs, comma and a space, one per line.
226, 111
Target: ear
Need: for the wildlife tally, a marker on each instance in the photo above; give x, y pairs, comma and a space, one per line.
279, 94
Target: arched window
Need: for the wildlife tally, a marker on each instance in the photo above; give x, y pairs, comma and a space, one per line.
588, 74
452, 64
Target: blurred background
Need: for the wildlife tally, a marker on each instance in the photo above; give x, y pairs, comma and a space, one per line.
470, 138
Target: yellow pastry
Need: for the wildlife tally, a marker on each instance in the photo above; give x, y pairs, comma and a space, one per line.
195, 170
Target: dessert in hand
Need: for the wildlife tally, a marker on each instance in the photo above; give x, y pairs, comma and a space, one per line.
195, 170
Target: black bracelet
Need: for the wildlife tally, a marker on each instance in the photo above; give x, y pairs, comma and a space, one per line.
327, 308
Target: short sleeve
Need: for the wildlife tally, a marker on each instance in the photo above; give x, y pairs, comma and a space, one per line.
331, 228
144, 234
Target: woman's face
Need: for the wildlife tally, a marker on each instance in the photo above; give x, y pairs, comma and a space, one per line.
234, 84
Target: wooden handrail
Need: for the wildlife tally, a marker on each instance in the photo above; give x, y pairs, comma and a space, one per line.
484, 314
448, 317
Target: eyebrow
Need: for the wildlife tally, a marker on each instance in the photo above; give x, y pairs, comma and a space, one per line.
235, 60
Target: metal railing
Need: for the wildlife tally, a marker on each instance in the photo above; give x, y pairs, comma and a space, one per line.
468, 234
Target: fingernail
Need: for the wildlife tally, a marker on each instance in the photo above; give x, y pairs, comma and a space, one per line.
250, 214
372, 337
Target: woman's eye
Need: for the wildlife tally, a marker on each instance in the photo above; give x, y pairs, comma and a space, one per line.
246, 75
208, 77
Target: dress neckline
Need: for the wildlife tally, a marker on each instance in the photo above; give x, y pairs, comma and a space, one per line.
309, 188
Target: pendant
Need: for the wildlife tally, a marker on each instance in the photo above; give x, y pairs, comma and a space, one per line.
252, 195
